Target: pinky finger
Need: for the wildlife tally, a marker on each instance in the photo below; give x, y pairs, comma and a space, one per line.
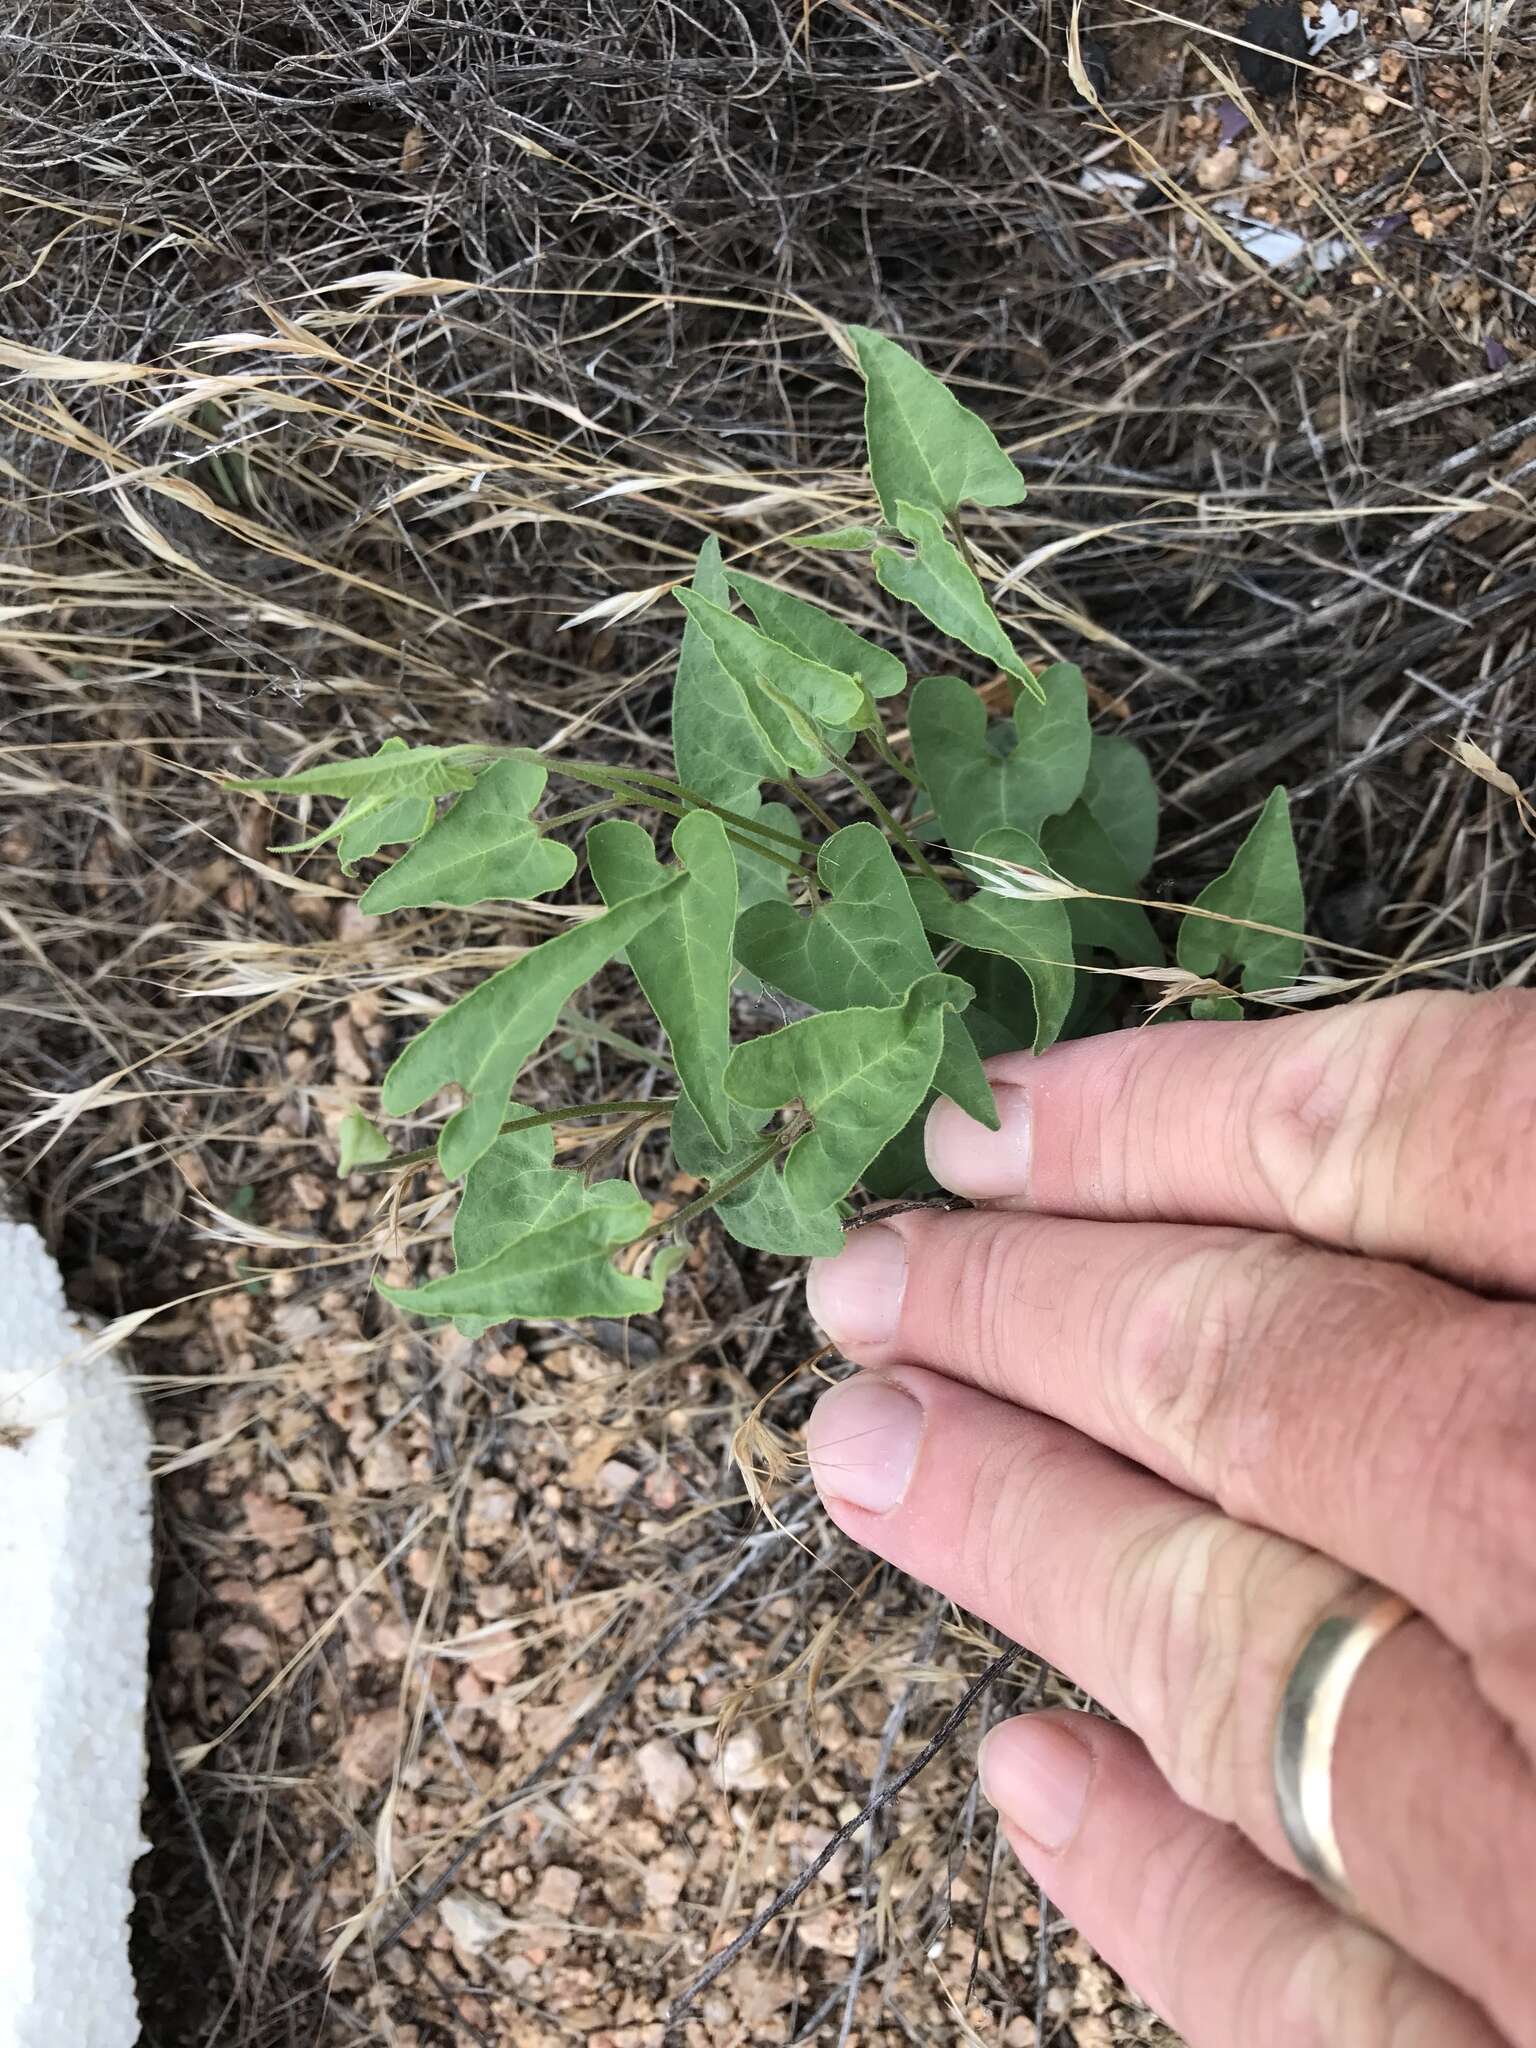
1220, 1943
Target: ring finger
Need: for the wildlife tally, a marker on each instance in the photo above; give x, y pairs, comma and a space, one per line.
1227, 1948
1184, 1624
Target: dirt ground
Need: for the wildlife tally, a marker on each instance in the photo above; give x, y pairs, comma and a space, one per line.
346, 358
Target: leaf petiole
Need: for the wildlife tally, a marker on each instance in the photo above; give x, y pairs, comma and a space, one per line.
890, 757
798, 789
597, 810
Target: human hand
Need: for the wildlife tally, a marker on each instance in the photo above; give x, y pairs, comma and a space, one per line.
1248, 1317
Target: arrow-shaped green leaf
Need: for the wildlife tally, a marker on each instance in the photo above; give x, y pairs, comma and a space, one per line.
1263, 884
359, 1143
1036, 936
387, 807
942, 585
486, 850
807, 629
533, 1240
900, 1169
864, 947
720, 750
395, 770
682, 959
976, 784
859, 1074
368, 822
925, 447
482, 1042
856, 540
791, 698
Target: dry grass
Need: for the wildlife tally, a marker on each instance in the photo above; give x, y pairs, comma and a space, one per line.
349, 358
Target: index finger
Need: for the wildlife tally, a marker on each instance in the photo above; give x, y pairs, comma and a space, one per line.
1405, 1129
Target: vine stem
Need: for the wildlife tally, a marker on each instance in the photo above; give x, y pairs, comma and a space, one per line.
827, 824
717, 1191
892, 824
704, 803
567, 1114
962, 544
639, 786
889, 755
577, 816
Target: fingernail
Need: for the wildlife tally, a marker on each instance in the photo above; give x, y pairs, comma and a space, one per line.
1036, 1774
968, 1159
862, 1439
856, 1297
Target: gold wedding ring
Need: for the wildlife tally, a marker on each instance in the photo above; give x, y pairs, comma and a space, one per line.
1307, 1726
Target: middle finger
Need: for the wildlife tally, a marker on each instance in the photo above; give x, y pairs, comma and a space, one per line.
1184, 1624
1362, 1407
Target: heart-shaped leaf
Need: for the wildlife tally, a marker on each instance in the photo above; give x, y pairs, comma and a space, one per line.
531, 1239
1263, 884
859, 1074
925, 447
1002, 1017
863, 947
1052, 734
810, 631
719, 748
762, 1212
682, 959
1036, 936
760, 879
1122, 796
977, 787
939, 581
1077, 846
482, 1042
486, 850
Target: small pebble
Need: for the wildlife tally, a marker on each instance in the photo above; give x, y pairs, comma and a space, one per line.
1215, 172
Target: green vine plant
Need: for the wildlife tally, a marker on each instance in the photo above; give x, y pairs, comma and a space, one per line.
985, 902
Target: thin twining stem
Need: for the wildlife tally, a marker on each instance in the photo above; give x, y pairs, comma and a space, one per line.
568, 1113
